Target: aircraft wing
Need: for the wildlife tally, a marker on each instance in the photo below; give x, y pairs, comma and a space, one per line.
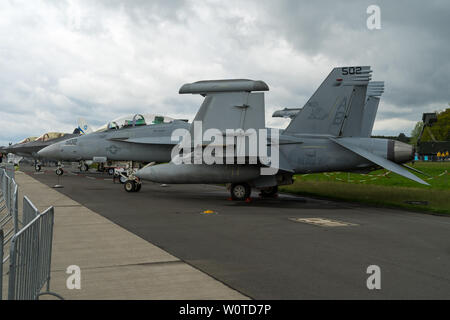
392, 166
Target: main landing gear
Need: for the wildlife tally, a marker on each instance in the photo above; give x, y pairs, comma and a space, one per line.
270, 192
241, 191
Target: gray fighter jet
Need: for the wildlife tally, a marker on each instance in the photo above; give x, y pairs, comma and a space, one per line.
138, 138
31, 146
329, 134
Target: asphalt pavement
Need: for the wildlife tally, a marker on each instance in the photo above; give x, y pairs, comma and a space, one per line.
284, 248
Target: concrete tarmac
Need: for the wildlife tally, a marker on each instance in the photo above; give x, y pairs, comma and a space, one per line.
285, 248
114, 263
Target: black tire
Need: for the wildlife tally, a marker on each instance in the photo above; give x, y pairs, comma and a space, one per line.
59, 172
37, 167
130, 186
111, 171
84, 168
240, 191
138, 187
269, 192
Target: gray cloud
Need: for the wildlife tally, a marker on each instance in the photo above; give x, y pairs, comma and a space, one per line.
64, 59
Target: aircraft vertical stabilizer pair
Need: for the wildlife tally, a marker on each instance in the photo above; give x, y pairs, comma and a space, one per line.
330, 133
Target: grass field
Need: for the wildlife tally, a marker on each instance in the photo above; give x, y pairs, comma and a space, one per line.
381, 188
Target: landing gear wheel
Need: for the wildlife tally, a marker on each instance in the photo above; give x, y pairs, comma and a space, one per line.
269, 192
84, 167
122, 179
37, 167
130, 186
59, 172
240, 191
138, 187
111, 171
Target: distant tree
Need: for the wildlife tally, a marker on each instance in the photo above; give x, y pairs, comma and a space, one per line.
440, 129
416, 132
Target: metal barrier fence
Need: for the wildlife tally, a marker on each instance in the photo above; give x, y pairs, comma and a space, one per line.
30, 259
1, 264
9, 219
9, 168
30, 248
29, 211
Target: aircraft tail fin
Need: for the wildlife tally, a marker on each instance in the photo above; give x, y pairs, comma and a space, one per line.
84, 127
328, 107
374, 91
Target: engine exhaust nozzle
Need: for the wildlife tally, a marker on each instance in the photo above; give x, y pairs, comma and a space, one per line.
400, 152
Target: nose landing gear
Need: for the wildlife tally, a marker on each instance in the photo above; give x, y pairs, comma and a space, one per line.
132, 186
132, 183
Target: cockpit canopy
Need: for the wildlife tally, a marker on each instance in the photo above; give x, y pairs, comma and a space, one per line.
29, 139
134, 121
50, 135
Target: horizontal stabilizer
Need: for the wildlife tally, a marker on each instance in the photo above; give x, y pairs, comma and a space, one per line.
382, 162
286, 113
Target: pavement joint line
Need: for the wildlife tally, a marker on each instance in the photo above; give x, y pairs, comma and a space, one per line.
178, 261
68, 206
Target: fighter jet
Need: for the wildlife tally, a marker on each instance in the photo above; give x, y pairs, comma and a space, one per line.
29, 147
135, 138
329, 134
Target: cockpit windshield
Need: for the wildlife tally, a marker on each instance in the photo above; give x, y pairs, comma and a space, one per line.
134, 121
50, 135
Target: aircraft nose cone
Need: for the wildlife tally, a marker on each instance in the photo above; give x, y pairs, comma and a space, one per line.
49, 152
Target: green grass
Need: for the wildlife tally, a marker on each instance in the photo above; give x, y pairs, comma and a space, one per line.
381, 188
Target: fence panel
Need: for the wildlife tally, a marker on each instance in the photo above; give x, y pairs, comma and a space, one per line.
30, 258
1, 264
9, 168
29, 211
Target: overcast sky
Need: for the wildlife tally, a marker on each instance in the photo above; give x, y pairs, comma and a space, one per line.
60, 60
